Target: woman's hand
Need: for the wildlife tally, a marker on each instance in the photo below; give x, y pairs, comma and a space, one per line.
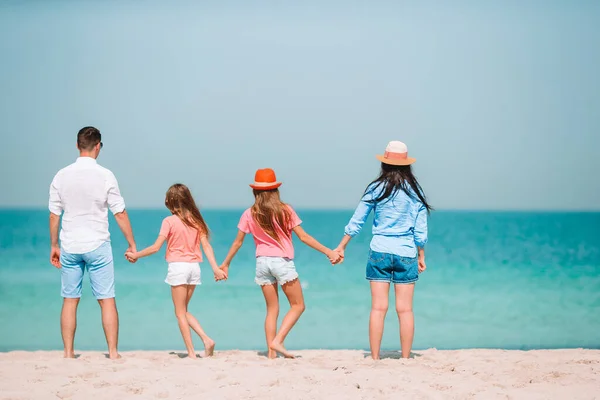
422, 266
340, 250
334, 257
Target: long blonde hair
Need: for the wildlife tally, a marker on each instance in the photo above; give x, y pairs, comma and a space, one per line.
269, 211
180, 202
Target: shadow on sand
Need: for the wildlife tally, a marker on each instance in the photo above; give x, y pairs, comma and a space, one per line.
392, 355
183, 355
265, 354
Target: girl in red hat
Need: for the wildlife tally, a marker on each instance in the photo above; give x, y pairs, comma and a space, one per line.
271, 222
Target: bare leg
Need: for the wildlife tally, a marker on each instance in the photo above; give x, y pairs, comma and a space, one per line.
110, 323
404, 302
179, 294
68, 324
209, 344
379, 306
272, 299
293, 292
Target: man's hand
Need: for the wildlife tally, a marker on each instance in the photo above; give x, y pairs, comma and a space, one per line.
55, 256
131, 257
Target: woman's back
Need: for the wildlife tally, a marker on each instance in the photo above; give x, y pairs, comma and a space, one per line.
396, 215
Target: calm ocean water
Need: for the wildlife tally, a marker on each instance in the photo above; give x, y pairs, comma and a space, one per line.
497, 280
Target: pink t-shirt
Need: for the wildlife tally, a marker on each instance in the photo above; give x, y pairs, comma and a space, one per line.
183, 243
266, 246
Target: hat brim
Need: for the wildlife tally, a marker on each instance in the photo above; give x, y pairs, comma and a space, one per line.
396, 161
262, 186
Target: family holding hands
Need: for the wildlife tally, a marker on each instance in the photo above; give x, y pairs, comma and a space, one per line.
396, 253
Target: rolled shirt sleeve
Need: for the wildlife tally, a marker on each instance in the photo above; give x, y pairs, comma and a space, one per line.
54, 203
421, 227
360, 214
116, 204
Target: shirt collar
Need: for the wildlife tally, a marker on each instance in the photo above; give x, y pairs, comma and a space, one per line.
88, 160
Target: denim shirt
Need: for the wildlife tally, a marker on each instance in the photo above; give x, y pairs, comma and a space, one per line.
399, 224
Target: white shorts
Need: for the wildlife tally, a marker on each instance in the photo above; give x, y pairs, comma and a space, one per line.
270, 270
183, 273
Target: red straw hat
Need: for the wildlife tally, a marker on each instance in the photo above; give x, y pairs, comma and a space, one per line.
265, 179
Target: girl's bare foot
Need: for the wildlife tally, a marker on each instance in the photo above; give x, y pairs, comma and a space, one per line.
192, 355
114, 356
278, 347
209, 348
69, 355
272, 354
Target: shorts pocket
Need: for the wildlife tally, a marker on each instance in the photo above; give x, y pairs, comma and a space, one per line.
376, 257
406, 270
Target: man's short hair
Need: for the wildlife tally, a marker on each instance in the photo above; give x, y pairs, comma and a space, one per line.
88, 137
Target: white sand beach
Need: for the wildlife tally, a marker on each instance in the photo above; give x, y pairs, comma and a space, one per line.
327, 374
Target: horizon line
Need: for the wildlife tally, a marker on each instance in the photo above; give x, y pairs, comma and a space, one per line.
350, 209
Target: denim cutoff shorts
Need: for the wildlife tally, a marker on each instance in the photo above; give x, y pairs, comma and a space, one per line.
385, 267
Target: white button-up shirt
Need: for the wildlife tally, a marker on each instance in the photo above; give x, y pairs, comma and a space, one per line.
83, 192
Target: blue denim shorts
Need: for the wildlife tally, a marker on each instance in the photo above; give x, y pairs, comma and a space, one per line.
99, 264
385, 267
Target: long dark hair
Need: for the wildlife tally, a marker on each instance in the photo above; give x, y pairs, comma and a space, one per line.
268, 211
397, 177
180, 202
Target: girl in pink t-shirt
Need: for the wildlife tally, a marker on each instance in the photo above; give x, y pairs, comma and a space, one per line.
271, 223
185, 233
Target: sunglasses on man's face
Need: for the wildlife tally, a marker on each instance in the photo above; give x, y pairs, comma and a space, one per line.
101, 144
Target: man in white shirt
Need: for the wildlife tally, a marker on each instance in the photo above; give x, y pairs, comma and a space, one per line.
82, 193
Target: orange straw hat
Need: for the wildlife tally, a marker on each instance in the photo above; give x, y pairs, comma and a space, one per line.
265, 179
396, 153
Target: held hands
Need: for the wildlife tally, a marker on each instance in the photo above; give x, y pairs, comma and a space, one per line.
225, 268
131, 255
220, 274
340, 250
335, 256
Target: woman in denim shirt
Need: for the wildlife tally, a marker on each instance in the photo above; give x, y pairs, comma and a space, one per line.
397, 252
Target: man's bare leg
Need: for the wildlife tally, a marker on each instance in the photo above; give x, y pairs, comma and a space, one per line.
68, 324
110, 323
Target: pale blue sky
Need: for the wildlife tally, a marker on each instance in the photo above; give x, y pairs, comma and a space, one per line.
499, 101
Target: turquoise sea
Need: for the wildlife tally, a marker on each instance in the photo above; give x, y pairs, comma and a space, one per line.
494, 280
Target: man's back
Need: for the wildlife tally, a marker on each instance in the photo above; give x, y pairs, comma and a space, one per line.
83, 192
